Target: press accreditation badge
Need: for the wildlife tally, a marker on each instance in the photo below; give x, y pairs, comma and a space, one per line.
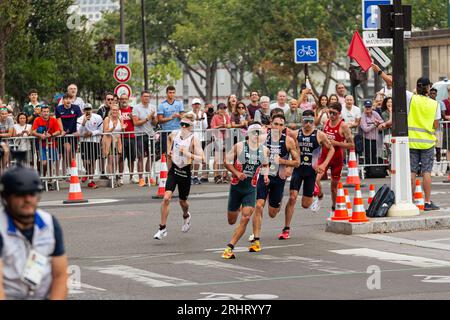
34, 269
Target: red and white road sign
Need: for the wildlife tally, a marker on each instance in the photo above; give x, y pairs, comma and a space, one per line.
122, 74
123, 89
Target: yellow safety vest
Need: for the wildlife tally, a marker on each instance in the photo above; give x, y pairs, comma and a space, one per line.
422, 113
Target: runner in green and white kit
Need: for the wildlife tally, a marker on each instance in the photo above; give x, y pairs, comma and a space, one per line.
245, 161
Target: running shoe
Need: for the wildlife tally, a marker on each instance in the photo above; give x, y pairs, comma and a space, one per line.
160, 234
315, 206
255, 246
92, 185
284, 235
228, 254
186, 224
251, 238
141, 183
431, 206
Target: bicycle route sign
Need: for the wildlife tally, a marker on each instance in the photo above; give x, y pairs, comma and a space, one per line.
306, 50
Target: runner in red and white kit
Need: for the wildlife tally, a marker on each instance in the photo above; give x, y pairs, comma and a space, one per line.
341, 138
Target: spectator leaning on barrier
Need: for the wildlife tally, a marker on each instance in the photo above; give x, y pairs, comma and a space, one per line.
341, 93
128, 140
371, 124
423, 118
293, 116
103, 111
220, 122
90, 129
67, 115
113, 127
200, 124
72, 91
254, 104
6, 131
46, 128
351, 113
144, 119
22, 130
32, 109
33, 263
281, 102
231, 104
321, 112
241, 118
170, 112
262, 115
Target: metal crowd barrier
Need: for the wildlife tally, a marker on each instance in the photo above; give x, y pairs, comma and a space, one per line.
122, 155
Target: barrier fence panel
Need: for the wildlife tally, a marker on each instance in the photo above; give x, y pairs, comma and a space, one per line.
132, 156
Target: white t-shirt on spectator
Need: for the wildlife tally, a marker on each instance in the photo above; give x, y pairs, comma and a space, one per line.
23, 143
276, 105
200, 125
352, 115
143, 112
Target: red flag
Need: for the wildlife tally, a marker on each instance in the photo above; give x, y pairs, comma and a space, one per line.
359, 52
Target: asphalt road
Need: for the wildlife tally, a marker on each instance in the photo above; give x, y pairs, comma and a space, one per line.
113, 255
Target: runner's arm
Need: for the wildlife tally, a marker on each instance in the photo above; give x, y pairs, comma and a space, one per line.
292, 148
265, 164
324, 142
229, 161
198, 151
58, 289
347, 133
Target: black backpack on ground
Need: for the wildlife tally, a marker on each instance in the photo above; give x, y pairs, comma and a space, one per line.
381, 203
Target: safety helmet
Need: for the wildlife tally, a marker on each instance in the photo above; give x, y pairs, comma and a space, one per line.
20, 180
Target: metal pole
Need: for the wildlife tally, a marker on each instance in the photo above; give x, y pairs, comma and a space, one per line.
122, 20
144, 45
399, 114
448, 13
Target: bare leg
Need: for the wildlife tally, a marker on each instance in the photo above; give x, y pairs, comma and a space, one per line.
427, 186
257, 217
185, 207
289, 211
165, 207
240, 230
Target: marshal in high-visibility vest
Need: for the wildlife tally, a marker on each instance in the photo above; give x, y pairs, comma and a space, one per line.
421, 118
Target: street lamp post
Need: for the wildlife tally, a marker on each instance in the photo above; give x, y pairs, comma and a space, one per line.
122, 19
144, 45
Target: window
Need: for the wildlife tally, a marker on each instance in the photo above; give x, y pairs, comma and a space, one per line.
425, 62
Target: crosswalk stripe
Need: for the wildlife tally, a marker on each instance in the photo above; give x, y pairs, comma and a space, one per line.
148, 278
403, 259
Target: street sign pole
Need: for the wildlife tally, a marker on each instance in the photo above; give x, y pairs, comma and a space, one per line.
400, 162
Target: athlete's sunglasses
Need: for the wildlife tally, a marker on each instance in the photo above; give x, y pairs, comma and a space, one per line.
333, 113
185, 124
277, 124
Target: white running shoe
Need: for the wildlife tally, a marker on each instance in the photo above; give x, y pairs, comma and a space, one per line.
315, 206
251, 238
160, 234
187, 224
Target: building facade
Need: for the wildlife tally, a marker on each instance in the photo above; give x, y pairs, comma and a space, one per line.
92, 9
428, 55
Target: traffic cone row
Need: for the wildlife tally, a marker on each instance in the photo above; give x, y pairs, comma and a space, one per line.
353, 175
349, 203
418, 196
341, 205
359, 213
162, 178
371, 194
75, 194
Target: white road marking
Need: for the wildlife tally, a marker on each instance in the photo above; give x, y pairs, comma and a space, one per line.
148, 278
236, 296
58, 203
435, 279
216, 264
416, 243
209, 195
403, 259
437, 240
75, 288
245, 249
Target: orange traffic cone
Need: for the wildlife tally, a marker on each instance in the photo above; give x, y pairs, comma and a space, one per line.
371, 194
353, 175
359, 213
418, 196
75, 194
349, 203
341, 207
162, 178
448, 179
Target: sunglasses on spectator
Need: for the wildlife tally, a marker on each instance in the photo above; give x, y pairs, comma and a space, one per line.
111, 99
185, 124
241, 108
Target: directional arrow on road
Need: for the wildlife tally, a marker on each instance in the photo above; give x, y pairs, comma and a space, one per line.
380, 56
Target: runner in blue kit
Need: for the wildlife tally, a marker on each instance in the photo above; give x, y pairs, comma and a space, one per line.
281, 146
309, 142
245, 161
